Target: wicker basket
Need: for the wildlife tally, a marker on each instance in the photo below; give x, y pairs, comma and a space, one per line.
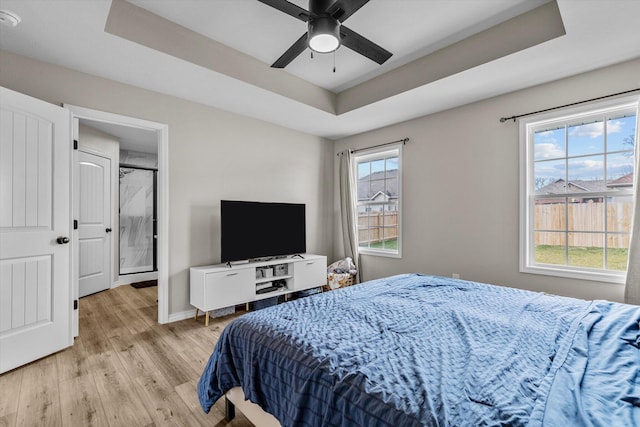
342, 283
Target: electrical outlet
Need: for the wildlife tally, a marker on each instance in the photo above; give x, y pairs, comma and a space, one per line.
455, 275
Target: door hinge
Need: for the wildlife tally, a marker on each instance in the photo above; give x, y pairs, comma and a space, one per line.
75, 144
75, 304
75, 224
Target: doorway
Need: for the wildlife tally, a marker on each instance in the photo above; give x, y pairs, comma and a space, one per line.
114, 123
138, 219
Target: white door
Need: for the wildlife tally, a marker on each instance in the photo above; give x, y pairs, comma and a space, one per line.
94, 223
35, 224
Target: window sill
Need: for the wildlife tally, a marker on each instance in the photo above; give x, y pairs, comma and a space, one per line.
375, 252
598, 276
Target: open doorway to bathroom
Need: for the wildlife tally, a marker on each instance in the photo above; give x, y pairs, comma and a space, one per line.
138, 218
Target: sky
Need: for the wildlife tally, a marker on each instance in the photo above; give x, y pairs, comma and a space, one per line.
581, 147
366, 168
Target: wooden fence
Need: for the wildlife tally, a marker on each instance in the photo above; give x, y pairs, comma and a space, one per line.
373, 227
583, 217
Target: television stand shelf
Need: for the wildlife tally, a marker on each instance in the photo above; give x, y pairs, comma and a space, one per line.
218, 286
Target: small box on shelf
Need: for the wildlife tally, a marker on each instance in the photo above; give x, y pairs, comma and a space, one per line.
264, 272
280, 270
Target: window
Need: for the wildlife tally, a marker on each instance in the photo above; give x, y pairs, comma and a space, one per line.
577, 191
379, 179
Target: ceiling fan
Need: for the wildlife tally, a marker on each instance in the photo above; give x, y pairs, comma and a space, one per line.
325, 30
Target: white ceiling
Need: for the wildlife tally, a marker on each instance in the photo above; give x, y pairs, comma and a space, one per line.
71, 33
407, 28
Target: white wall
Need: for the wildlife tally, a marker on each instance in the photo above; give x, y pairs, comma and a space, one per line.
461, 188
213, 155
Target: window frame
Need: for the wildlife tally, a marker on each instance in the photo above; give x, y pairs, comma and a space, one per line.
528, 126
369, 155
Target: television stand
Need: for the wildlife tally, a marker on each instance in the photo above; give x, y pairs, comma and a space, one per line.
297, 255
218, 286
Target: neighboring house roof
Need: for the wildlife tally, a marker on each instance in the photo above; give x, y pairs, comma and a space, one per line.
380, 196
626, 180
578, 185
575, 186
378, 181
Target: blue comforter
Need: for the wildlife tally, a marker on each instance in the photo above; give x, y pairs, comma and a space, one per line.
422, 350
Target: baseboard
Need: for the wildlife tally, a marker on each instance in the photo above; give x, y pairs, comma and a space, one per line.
176, 317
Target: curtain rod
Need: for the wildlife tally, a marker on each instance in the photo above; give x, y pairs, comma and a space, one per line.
403, 140
504, 119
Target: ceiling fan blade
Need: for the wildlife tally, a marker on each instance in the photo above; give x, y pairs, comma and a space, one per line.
292, 53
363, 46
288, 8
342, 9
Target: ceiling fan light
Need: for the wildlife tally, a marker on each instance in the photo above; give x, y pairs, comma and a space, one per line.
323, 43
324, 35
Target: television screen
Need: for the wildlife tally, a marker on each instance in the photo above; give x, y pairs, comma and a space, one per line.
257, 230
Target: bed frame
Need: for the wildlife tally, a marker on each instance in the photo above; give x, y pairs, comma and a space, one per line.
254, 413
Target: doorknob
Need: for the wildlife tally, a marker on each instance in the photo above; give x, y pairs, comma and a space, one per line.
62, 240
108, 230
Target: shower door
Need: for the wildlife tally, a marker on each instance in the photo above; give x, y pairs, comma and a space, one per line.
137, 220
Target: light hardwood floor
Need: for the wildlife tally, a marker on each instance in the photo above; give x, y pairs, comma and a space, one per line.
123, 370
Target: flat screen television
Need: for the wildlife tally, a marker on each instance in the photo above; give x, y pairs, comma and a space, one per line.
250, 230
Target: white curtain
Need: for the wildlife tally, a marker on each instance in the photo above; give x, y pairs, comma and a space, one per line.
632, 285
348, 210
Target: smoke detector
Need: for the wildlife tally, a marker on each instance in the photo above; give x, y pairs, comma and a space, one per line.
9, 19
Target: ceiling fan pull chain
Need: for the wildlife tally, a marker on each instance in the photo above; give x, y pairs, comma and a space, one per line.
311, 54
334, 61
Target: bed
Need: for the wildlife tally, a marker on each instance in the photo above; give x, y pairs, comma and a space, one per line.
413, 350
